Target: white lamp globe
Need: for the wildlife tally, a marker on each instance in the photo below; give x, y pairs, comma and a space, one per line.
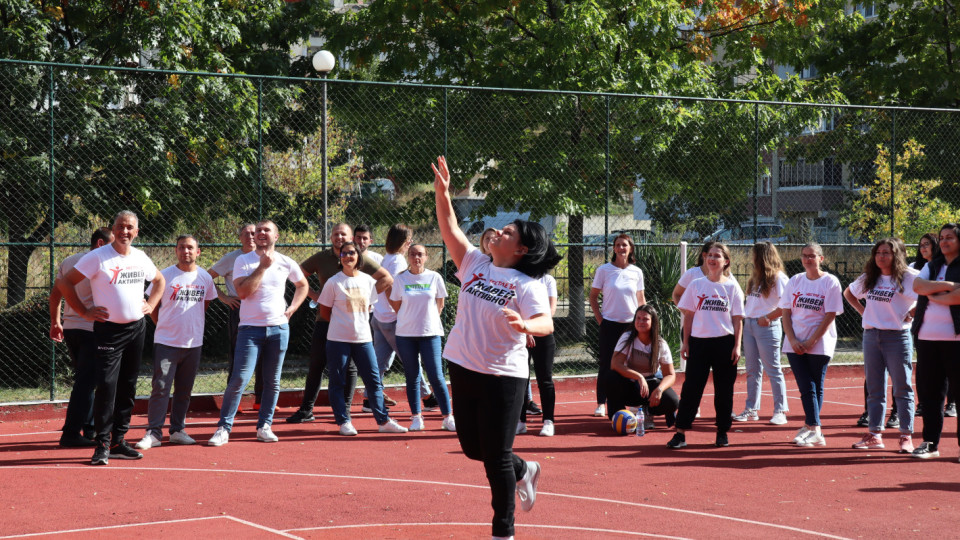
323, 61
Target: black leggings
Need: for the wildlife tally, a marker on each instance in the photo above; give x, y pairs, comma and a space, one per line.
117, 363
940, 363
706, 354
542, 354
610, 333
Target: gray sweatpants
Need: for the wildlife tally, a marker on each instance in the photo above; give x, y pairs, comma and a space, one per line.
176, 367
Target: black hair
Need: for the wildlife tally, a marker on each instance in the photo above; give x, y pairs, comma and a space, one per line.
355, 248
934, 250
541, 255
102, 233
631, 257
362, 228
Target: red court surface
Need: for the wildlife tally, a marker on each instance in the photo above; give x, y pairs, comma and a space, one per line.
316, 484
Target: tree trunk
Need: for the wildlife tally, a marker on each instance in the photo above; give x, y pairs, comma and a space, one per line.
575, 318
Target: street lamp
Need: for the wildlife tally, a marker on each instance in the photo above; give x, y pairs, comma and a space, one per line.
323, 62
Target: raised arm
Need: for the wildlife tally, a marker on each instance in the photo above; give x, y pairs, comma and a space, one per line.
453, 237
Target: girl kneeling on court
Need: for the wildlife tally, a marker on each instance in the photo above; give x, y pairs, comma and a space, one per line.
642, 370
712, 309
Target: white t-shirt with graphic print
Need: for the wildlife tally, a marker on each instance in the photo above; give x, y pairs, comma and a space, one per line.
350, 298
117, 281
481, 340
713, 304
418, 315
809, 301
886, 307
758, 306
181, 318
666, 358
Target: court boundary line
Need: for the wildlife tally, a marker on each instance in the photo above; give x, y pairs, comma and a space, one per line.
149, 523
516, 525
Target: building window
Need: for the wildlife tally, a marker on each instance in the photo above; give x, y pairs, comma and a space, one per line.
867, 10
803, 174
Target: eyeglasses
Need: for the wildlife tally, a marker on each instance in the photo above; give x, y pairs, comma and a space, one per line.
348, 253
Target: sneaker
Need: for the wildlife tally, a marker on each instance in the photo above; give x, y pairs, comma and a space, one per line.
918, 411
521, 428
547, 429
449, 424
813, 439
601, 410
300, 417
870, 441
893, 421
747, 414
527, 486
387, 401
926, 450
347, 429
430, 403
181, 437
721, 440
392, 427
864, 420
122, 450
366, 406
698, 412
148, 441
265, 434
534, 409
801, 434
76, 441
647, 421
950, 410
679, 440
101, 456
220, 437
906, 444
778, 419
416, 423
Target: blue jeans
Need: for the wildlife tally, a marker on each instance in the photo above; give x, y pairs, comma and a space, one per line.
428, 350
761, 352
384, 345
810, 371
269, 343
338, 354
888, 351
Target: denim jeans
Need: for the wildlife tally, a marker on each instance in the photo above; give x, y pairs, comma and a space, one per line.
269, 343
338, 355
176, 368
413, 351
888, 351
384, 345
810, 371
761, 352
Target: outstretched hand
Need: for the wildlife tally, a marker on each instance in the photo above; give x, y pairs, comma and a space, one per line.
514, 320
441, 175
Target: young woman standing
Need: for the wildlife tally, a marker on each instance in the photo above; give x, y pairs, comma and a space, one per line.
810, 303
500, 302
712, 309
886, 285
620, 283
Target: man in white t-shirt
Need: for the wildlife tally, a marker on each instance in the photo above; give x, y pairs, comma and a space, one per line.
177, 342
260, 279
117, 272
78, 333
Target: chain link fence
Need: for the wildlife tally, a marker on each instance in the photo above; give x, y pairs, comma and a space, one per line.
205, 153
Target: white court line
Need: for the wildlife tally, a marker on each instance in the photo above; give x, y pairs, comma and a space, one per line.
517, 525
434, 483
263, 527
128, 525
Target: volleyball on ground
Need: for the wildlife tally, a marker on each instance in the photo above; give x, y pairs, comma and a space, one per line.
624, 422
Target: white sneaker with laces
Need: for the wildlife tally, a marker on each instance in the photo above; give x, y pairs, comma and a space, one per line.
521, 428
181, 437
265, 434
347, 429
778, 419
747, 414
547, 430
392, 427
449, 424
813, 439
148, 441
416, 423
220, 437
527, 486
801, 434
601, 410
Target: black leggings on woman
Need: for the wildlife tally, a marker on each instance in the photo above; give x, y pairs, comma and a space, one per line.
623, 392
706, 354
487, 409
542, 354
610, 333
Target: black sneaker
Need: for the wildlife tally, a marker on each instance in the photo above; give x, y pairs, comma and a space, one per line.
950, 410
918, 411
533, 408
76, 441
721, 440
863, 421
101, 456
679, 440
430, 403
893, 421
926, 450
300, 417
122, 450
366, 406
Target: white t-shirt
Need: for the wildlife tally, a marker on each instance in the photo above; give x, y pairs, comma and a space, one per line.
619, 287
809, 301
691, 274
713, 306
375, 256
418, 316
351, 299
117, 281
481, 340
181, 317
382, 311
71, 319
886, 306
758, 306
266, 305
551, 284
937, 323
666, 358
224, 267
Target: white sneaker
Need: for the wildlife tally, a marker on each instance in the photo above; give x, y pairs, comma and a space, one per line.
347, 429
778, 419
265, 434
416, 423
392, 427
547, 430
521, 428
148, 441
220, 437
449, 424
747, 414
813, 439
527, 486
601, 410
698, 412
181, 437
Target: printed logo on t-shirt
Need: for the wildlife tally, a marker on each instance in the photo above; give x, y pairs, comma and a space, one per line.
127, 276
497, 292
811, 301
356, 299
713, 302
882, 294
187, 293
417, 287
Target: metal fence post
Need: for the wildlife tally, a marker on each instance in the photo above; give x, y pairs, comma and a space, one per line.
260, 149
893, 168
606, 182
53, 202
756, 170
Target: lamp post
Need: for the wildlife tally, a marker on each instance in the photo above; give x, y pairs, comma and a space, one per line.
323, 62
